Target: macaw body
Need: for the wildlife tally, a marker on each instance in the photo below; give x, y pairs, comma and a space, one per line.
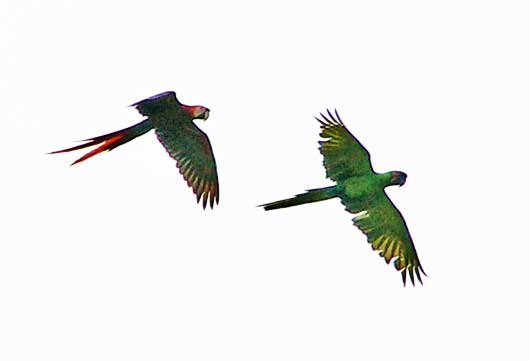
362, 191
182, 139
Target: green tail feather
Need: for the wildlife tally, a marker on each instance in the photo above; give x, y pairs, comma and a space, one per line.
310, 196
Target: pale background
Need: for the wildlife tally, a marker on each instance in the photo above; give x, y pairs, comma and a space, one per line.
113, 260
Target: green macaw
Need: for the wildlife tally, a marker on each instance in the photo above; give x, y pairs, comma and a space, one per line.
184, 141
362, 192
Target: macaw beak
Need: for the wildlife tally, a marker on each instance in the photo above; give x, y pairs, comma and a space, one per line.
404, 180
197, 111
399, 178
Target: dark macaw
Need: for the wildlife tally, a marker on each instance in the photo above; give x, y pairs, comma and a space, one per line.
183, 140
362, 192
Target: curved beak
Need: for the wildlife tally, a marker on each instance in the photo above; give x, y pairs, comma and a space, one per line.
404, 180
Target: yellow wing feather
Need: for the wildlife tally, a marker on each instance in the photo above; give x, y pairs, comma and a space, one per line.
344, 155
387, 232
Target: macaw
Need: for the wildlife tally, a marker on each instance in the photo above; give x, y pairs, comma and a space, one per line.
362, 192
183, 140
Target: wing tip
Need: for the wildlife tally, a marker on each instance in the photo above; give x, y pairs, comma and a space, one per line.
411, 271
208, 199
330, 120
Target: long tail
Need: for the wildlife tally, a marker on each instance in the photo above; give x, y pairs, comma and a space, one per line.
111, 140
310, 196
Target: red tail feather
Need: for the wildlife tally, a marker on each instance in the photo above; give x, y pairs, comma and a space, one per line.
109, 141
105, 146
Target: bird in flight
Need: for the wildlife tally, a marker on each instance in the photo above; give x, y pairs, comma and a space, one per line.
362, 192
183, 140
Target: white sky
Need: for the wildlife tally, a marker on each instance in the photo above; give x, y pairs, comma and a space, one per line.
113, 260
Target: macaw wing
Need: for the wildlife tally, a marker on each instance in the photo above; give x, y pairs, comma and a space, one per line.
192, 150
157, 104
387, 232
344, 155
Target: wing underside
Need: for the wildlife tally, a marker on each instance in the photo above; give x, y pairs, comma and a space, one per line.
192, 150
344, 156
387, 232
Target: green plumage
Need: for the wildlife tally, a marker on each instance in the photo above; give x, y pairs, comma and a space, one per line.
310, 196
361, 191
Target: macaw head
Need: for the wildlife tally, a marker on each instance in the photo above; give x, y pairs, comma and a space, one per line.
198, 112
398, 178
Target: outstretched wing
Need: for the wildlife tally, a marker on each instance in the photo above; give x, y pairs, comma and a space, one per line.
192, 150
387, 232
344, 155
